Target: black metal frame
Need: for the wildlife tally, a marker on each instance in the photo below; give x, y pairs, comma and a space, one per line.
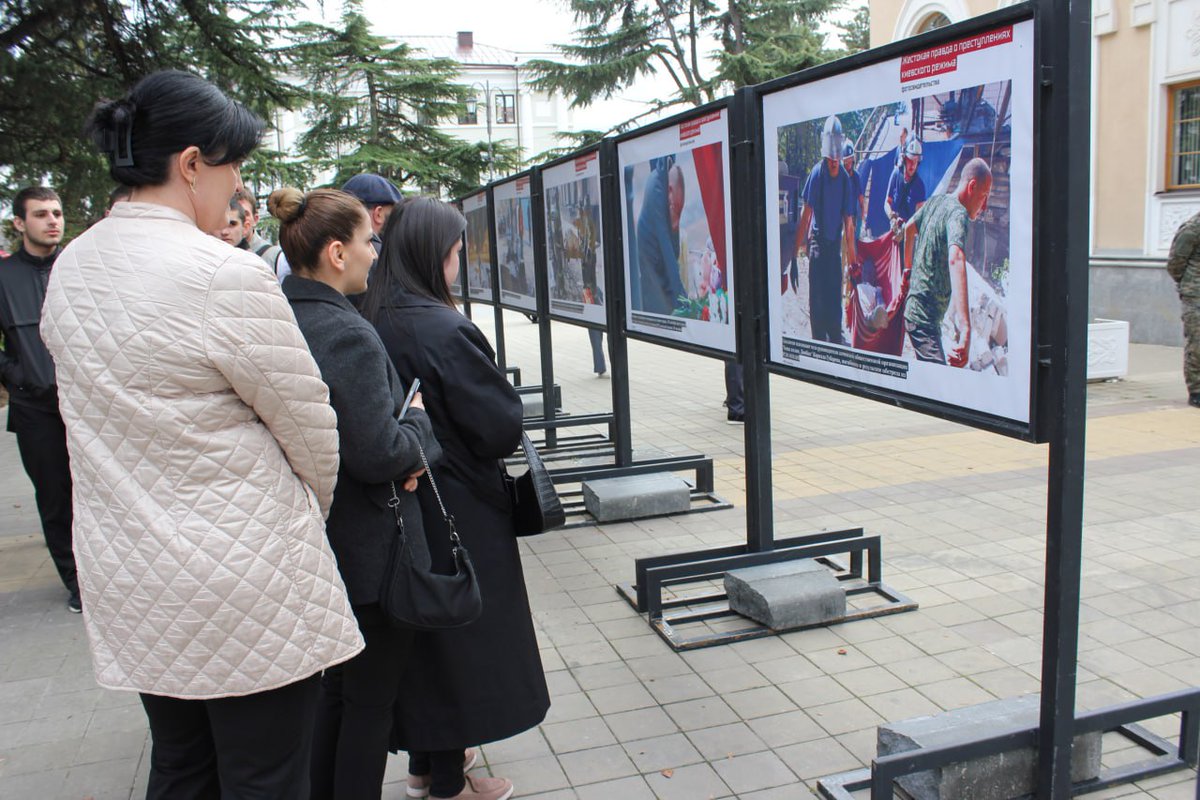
492, 187
617, 202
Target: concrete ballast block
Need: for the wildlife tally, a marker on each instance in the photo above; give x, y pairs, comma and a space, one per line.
534, 407
636, 496
786, 595
998, 777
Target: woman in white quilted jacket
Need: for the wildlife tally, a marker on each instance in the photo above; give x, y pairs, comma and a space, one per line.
204, 454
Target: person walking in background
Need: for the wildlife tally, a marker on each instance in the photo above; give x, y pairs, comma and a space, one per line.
27, 371
327, 236
204, 454
1183, 265
482, 682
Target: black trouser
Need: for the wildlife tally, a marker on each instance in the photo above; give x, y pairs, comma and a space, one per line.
254, 747
42, 442
597, 339
354, 717
734, 391
445, 769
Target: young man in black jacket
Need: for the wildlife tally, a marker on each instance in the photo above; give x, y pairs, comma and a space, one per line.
28, 373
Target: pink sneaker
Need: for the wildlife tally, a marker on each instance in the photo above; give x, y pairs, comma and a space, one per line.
481, 788
418, 785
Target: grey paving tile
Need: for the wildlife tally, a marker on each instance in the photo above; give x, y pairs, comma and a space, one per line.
533, 775
706, 712
579, 734
761, 702
754, 771
640, 724
678, 687
531, 744
634, 788
662, 752
695, 782
615, 699
724, 741
818, 758
597, 764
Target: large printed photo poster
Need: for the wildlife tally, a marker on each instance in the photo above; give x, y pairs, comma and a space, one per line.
574, 244
514, 244
902, 251
676, 219
479, 251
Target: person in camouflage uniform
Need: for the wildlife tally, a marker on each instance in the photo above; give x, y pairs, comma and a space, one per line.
1183, 264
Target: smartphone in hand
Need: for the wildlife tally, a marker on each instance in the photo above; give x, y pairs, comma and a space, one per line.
412, 392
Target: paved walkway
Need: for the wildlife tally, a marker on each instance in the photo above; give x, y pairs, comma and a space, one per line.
962, 516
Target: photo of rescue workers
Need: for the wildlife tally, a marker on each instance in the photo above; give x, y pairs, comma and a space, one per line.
573, 247
479, 251
514, 243
675, 228
894, 232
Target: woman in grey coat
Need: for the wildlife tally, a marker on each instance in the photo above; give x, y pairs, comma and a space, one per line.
326, 236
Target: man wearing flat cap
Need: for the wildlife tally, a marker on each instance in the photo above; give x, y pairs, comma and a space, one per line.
379, 195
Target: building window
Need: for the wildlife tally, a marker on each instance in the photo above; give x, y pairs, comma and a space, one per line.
1183, 131
506, 109
933, 22
470, 114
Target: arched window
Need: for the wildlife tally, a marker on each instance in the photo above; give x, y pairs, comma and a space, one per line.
932, 22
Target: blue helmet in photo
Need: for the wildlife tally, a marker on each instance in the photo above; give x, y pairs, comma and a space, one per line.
847, 150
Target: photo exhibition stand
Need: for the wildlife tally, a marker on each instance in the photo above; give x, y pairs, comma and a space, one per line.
575, 458
1041, 52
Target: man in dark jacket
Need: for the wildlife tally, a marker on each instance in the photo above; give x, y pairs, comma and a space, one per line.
28, 373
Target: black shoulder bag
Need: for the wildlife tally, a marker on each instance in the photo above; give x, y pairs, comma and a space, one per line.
415, 597
536, 507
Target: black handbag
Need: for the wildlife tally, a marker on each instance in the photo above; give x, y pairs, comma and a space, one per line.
416, 597
535, 503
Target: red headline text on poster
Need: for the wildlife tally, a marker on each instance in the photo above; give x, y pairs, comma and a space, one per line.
944, 58
522, 185
691, 128
581, 163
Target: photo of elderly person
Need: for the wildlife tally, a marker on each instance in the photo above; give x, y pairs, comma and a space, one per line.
204, 454
327, 237
482, 682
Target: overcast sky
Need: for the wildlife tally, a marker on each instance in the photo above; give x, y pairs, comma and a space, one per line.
521, 25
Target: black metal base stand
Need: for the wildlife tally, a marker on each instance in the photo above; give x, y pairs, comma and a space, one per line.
687, 620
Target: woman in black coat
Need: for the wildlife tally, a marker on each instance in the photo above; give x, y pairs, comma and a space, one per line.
326, 236
483, 682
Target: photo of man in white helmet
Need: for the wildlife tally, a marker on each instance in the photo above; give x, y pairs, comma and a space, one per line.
826, 227
906, 191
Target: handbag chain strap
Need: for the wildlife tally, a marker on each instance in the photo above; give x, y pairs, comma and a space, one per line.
454, 540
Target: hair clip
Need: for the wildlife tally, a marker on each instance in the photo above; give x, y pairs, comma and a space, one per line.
124, 159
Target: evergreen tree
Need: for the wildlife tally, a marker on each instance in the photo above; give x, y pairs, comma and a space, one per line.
856, 34
57, 59
372, 106
705, 48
